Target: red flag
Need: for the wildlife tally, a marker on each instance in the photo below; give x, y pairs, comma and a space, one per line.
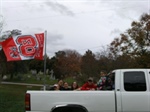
24, 47
40, 39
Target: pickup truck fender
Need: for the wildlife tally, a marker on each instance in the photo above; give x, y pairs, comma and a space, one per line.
69, 108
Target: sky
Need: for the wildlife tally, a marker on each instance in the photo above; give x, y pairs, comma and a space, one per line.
79, 25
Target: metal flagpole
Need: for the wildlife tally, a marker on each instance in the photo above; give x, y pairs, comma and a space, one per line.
45, 36
148, 7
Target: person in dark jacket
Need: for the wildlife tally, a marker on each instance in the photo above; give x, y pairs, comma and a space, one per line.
66, 87
89, 85
55, 87
61, 84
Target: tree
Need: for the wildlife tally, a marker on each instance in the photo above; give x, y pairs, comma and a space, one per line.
2, 55
67, 63
3, 67
37, 65
16, 68
89, 65
104, 59
10, 33
135, 42
1, 24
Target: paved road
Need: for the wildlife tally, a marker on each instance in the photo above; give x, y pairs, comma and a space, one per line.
21, 84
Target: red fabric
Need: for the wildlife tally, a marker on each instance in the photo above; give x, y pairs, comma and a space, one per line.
86, 86
24, 47
10, 49
39, 53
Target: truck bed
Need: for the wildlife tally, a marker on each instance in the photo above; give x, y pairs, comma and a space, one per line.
94, 101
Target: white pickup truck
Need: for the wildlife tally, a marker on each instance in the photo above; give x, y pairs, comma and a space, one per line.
131, 94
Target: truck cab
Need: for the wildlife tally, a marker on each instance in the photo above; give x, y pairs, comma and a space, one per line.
132, 90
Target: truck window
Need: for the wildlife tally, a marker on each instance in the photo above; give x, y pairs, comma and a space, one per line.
134, 81
112, 78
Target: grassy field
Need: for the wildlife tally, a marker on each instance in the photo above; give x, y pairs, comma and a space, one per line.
12, 97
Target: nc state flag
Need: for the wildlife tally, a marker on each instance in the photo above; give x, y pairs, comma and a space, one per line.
24, 47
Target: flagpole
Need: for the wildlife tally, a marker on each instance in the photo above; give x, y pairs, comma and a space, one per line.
45, 35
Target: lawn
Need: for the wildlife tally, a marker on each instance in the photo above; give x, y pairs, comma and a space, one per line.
12, 97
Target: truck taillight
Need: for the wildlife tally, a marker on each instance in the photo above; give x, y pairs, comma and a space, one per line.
27, 102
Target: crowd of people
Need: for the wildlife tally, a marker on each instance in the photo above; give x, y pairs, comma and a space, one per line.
106, 82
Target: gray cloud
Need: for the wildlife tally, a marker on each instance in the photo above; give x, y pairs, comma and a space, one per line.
115, 31
45, 4
59, 8
54, 43
52, 38
127, 9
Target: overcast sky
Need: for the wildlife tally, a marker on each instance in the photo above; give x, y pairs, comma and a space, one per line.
73, 24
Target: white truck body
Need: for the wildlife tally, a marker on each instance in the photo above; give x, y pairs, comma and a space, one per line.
131, 94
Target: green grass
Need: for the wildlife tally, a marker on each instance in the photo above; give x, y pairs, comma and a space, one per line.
12, 97
44, 80
32, 80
